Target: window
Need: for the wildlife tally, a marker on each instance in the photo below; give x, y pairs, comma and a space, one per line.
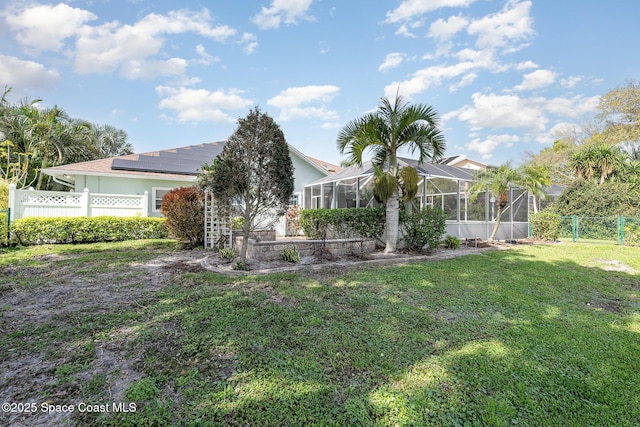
158, 194
295, 199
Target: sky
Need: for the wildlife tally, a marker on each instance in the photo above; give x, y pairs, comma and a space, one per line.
505, 76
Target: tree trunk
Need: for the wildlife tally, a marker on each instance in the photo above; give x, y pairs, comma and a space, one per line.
495, 228
246, 229
392, 223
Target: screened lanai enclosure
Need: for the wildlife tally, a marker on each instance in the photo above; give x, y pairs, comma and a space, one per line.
440, 186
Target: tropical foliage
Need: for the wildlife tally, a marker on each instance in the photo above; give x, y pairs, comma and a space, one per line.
33, 138
394, 127
593, 150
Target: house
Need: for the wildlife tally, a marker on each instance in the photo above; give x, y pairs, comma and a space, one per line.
160, 171
462, 161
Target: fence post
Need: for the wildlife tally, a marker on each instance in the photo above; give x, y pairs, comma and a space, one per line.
574, 227
12, 201
145, 204
84, 200
621, 229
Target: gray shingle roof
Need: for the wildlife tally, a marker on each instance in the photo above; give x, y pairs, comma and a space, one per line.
426, 169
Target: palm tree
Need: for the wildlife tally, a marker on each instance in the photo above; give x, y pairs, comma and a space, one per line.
497, 182
599, 161
391, 128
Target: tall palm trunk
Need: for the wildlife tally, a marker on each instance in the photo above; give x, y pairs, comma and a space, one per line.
392, 223
503, 201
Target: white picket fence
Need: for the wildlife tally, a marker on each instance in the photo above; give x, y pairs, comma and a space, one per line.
30, 203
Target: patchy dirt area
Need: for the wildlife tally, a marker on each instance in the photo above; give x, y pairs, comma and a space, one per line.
67, 344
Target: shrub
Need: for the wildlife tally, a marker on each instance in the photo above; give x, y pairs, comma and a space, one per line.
3, 228
227, 253
451, 242
354, 222
587, 198
423, 228
183, 209
545, 225
632, 235
290, 255
35, 230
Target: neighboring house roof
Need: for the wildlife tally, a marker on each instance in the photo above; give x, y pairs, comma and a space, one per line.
329, 167
427, 169
182, 163
462, 161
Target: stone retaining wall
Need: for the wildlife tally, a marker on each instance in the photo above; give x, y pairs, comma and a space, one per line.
270, 251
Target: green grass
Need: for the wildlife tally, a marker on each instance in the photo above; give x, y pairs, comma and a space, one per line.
535, 336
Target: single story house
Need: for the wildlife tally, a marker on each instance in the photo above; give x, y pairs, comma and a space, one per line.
155, 173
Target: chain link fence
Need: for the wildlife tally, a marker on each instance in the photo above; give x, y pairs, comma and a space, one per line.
613, 229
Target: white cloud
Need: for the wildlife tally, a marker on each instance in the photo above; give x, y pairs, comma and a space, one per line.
250, 42
526, 65
507, 29
200, 105
135, 50
291, 101
287, 11
410, 9
571, 82
536, 79
486, 147
502, 111
45, 27
391, 61
15, 72
427, 77
205, 57
445, 30
111, 46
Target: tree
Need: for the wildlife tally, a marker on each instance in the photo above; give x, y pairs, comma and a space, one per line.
498, 180
598, 162
110, 141
254, 171
32, 138
393, 127
620, 112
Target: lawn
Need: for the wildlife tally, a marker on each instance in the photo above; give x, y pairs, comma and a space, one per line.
540, 335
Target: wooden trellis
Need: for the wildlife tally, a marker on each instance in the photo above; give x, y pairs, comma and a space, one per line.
217, 223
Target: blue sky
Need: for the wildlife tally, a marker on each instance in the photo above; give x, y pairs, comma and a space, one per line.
504, 75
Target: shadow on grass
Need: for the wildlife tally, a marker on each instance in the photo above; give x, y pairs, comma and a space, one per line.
503, 338
498, 339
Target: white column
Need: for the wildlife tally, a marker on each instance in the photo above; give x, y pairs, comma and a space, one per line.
145, 204
84, 202
12, 202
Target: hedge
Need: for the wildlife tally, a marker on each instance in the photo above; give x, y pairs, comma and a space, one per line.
545, 225
343, 223
36, 230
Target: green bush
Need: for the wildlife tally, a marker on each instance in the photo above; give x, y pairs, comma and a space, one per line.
590, 199
632, 235
35, 230
3, 228
451, 242
423, 228
183, 209
227, 253
340, 223
545, 225
290, 255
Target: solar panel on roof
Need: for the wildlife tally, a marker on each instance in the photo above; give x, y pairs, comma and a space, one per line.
183, 161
